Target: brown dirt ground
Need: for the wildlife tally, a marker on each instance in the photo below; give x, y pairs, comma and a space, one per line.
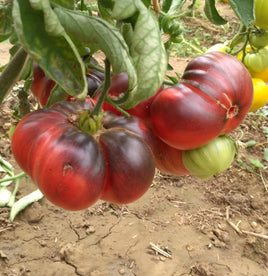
184, 216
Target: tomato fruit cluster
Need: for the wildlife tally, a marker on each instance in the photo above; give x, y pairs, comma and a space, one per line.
179, 131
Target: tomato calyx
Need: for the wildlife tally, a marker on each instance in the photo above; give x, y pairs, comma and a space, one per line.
87, 122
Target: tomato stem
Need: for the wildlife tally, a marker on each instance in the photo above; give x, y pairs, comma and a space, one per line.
191, 45
239, 37
104, 92
111, 102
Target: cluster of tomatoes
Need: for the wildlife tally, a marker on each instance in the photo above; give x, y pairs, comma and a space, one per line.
76, 159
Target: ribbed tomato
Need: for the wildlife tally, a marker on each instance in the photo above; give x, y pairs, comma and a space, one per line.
213, 98
74, 169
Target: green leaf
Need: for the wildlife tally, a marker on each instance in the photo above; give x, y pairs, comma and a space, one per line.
65, 3
244, 9
256, 162
46, 41
212, 13
166, 5
266, 154
6, 23
57, 94
95, 30
147, 50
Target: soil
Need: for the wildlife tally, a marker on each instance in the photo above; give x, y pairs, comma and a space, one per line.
207, 227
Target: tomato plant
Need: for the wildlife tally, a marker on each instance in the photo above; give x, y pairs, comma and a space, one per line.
260, 94
51, 42
220, 88
211, 158
74, 169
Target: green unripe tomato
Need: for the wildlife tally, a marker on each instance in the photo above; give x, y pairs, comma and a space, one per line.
210, 159
257, 61
261, 10
259, 39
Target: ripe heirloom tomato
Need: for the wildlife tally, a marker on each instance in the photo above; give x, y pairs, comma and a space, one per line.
74, 169
41, 85
260, 97
213, 98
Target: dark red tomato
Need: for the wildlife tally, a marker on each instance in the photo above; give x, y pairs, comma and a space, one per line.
213, 98
119, 85
42, 86
167, 159
74, 169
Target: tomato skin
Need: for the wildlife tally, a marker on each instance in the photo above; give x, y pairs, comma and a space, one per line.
261, 19
41, 85
131, 165
73, 169
213, 98
167, 159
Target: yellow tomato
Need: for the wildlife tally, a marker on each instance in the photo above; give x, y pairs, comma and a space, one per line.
261, 75
260, 97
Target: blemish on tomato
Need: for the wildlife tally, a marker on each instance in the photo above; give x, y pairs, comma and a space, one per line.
67, 167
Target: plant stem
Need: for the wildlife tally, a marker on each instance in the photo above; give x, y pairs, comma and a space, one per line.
17, 176
239, 37
106, 86
12, 72
118, 108
191, 45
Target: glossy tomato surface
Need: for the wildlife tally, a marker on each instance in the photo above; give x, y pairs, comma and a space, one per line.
168, 160
213, 97
74, 169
